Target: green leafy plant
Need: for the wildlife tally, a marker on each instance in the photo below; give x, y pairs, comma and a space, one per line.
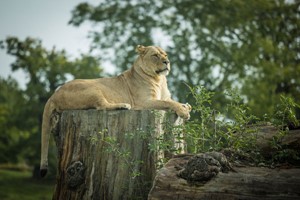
241, 128
201, 132
285, 115
283, 118
238, 128
212, 130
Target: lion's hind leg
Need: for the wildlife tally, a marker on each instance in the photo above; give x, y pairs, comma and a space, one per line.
113, 106
102, 103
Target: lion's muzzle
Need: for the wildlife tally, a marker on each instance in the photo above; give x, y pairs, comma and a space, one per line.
161, 70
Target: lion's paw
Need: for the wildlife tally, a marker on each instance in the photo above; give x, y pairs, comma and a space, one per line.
187, 106
183, 113
124, 106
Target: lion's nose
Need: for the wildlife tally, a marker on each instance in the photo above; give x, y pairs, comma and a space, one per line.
166, 62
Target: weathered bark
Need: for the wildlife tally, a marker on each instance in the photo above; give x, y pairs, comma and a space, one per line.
289, 141
247, 183
109, 154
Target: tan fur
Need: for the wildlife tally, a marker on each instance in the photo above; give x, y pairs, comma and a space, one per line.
144, 86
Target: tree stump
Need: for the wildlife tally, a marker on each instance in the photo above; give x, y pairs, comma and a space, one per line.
111, 154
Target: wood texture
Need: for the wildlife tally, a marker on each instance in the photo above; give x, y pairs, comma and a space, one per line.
247, 183
109, 154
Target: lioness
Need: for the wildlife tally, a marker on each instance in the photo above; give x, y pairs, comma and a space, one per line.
144, 86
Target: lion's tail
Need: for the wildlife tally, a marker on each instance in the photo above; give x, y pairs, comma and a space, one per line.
49, 108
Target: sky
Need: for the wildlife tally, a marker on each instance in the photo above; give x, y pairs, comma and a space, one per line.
46, 20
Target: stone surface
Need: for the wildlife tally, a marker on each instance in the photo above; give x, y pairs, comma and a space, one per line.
203, 167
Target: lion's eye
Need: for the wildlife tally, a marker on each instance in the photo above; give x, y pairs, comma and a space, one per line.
155, 55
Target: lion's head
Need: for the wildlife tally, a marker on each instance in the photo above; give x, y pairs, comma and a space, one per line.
153, 60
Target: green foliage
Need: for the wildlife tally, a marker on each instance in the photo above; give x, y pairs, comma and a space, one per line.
21, 110
14, 131
212, 130
285, 115
283, 118
240, 127
219, 43
48, 69
201, 131
237, 128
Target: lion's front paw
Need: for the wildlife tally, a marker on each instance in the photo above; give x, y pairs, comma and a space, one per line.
183, 113
187, 106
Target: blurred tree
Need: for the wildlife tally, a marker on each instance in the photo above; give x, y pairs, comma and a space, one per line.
12, 124
46, 70
251, 45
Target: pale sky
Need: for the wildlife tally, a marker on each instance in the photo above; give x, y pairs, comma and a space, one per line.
46, 20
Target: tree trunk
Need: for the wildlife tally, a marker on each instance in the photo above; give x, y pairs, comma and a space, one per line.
245, 183
111, 154
253, 183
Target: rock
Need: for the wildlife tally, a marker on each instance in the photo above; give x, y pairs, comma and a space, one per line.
221, 158
200, 168
203, 167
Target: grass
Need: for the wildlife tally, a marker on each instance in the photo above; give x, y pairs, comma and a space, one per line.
15, 185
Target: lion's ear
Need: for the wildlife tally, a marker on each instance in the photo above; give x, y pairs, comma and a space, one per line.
140, 49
